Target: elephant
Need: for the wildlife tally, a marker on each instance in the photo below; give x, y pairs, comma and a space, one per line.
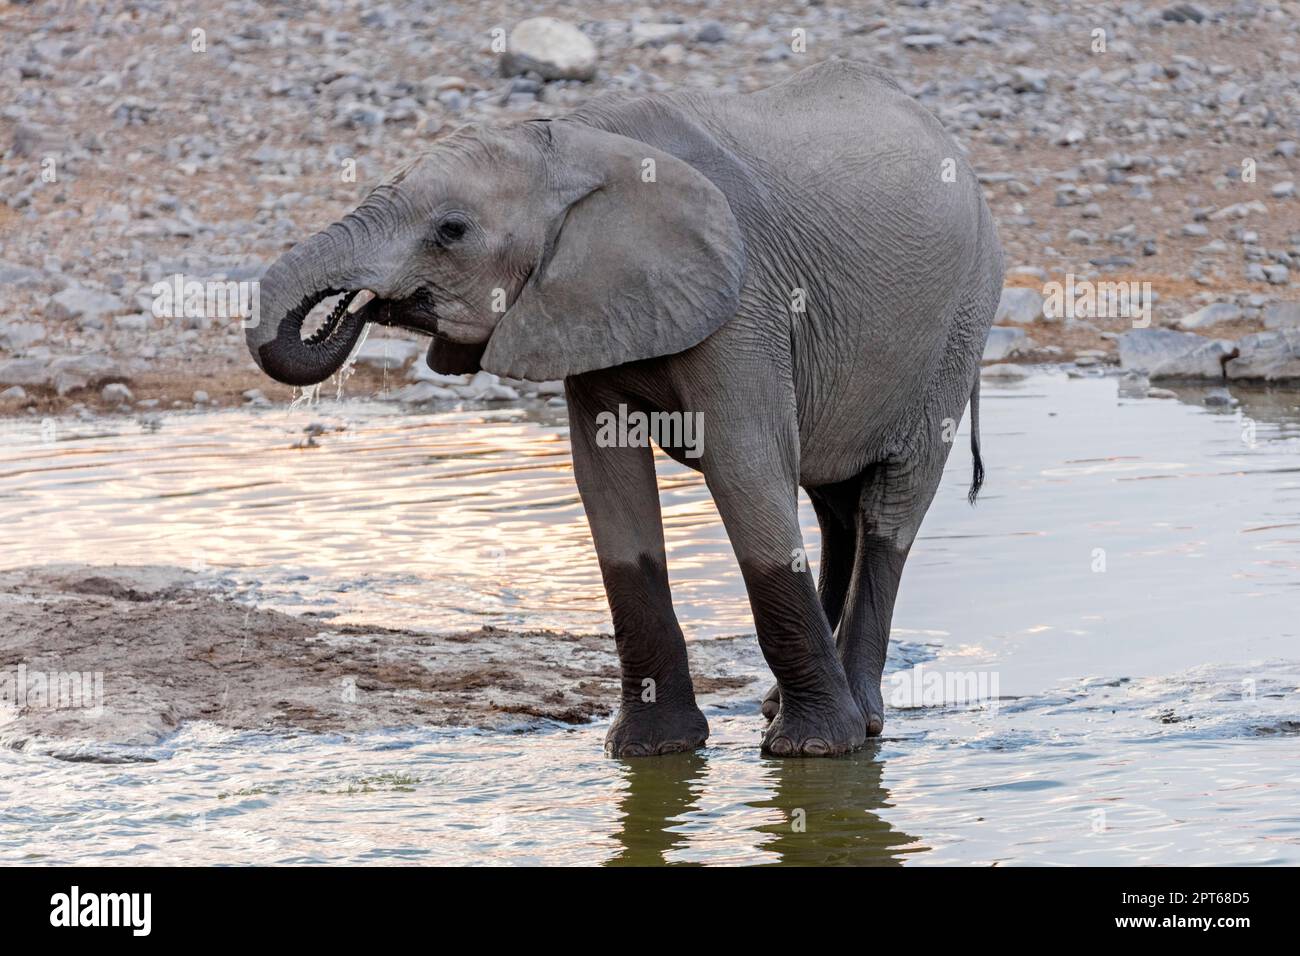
810, 269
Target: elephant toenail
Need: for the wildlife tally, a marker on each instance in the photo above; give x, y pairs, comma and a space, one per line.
632, 750
671, 747
782, 746
816, 747
875, 725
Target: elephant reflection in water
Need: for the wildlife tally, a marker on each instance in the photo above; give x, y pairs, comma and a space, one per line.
826, 813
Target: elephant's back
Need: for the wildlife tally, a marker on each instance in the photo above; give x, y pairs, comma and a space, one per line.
875, 215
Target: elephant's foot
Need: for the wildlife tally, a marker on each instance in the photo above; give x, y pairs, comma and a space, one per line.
825, 732
645, 730
872, 705
869, 701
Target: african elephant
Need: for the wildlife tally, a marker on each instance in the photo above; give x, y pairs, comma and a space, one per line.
810, 269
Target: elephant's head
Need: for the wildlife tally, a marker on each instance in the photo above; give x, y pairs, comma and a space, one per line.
538, 251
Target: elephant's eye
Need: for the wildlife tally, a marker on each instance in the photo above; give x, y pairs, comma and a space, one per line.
449, 230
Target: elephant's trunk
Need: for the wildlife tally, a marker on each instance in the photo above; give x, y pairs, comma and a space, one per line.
312, 271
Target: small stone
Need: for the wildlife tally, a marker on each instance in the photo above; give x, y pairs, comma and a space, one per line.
925, 41
199, 397
1182, 13
711, 32
1283, 190
115, 393
657, 34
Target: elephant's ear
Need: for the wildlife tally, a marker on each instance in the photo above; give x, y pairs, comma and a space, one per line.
647, 261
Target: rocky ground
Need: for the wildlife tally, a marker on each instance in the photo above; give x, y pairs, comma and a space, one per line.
152, 652
1116, 141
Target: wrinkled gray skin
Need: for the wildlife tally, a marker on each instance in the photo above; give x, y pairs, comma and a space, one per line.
676, 295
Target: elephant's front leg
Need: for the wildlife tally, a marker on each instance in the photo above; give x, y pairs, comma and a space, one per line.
818, 715
658, 713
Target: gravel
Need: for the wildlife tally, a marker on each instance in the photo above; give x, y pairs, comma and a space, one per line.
127, 156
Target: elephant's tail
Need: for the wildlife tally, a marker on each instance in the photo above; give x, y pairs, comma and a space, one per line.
977, 478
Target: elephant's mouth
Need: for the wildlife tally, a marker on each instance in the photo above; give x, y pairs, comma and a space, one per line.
416, 313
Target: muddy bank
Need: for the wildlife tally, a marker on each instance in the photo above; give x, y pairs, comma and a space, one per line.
125, 655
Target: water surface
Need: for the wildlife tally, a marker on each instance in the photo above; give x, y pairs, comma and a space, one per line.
1124, 597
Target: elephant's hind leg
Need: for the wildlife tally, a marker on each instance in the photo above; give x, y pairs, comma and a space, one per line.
895, 496
658, 713
836, 507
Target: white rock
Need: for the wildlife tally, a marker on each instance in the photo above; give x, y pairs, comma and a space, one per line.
387, 353
1239, 210
136, 322
421, 392
79, 371
1277, 274
1005, 372
1282, 315
16, 336
1019, 305
78, 302
553, 49
420, 372
1211, 314
1164, 353
27, 371
485, 386
15, 393
116, 392
1003, 342
1268, 356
